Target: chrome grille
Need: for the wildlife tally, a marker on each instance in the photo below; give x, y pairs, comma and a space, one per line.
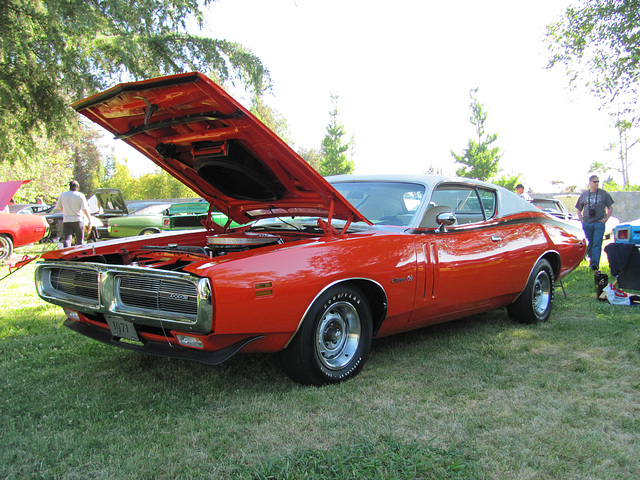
79, 283
140, 295
157, 294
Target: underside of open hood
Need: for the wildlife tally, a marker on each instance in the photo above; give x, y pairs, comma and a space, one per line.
8, 190
194, 130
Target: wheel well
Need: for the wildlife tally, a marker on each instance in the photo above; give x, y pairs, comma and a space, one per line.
554, 259
377, 299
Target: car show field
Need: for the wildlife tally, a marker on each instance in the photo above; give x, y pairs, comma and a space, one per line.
479, 397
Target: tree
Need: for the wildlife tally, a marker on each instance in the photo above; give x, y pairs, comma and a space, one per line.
622, 147
480, 159
155, 185
123, 180
160, 184
564, 188
624, 144
49, 173
312, 156
271, 118
598, 44
433, 170
334, 152
87, 160
55, 51
109, 163
508, 181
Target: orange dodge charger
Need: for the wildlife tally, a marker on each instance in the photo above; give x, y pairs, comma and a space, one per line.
320, 266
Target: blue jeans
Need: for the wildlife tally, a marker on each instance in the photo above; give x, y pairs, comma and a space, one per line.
594, 233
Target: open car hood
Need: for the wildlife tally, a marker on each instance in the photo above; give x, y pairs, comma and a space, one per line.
194, 130
8, 190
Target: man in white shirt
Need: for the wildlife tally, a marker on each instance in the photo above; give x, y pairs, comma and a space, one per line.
74, 206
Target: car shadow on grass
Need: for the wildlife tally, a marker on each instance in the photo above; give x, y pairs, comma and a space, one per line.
444, 335
263, 372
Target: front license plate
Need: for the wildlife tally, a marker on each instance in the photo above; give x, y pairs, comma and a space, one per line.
122, 328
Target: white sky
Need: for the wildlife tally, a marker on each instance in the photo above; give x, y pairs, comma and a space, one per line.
403, 71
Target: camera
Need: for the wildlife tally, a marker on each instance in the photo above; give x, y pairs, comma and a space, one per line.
592, 212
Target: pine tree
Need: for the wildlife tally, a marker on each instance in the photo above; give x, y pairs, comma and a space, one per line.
480, 159
335, 160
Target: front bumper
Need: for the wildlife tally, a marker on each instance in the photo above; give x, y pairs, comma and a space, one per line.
161, 349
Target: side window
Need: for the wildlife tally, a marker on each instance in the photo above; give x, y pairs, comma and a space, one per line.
488, 199
469, 204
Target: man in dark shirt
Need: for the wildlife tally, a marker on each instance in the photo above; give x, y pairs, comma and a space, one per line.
594, 206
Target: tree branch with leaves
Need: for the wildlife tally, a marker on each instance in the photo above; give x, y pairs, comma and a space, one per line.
53, 52
597, 42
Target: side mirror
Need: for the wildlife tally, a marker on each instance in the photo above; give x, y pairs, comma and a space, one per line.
446, 219
430, 217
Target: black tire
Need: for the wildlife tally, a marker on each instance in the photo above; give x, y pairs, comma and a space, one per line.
536, 301
6, 246
334, 340
149, 231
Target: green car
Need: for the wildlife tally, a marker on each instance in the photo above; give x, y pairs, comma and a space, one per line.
189, 215
144, 221
157, 217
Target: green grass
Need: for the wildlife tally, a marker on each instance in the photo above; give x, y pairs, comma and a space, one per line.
478, 398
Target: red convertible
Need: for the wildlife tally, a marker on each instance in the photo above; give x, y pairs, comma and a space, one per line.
17, 229
320, 268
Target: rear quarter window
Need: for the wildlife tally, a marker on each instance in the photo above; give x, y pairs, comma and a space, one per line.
469, 203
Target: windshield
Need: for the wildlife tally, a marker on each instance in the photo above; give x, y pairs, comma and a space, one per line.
308, 225
384, 203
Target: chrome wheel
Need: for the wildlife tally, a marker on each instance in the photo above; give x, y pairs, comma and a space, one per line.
6, 247
536, 301
338, 335
334, 339
541, 293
